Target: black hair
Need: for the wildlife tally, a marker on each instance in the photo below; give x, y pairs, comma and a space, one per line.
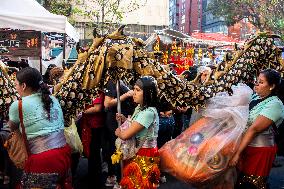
274, 78
23, 64
193, 73
46, 76
150, 92
33, 79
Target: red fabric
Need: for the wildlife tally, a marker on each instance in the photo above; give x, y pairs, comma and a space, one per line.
52, 161
91, 121
214, 37
179, 64
86, 136
129, 166
148, 152
96, 120
257, 160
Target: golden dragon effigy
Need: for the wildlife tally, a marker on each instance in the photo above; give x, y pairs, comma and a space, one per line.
116, 56
8, 92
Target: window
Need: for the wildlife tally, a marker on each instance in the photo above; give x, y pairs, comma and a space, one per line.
183, 19
182, 28
183, 8
209, 18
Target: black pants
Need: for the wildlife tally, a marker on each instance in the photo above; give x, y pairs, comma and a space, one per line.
248, 185
94, 162
178, 124
109, 147
166, 127
280, 140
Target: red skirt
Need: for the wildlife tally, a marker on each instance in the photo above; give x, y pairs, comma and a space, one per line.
148, 152
257, 161
52, 161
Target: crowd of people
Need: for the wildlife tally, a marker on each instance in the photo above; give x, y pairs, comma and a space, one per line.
152, 122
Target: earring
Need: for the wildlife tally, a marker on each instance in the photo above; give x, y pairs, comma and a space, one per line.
270, 89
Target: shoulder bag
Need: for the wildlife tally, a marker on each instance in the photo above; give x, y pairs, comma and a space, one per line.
129, 147
17, 143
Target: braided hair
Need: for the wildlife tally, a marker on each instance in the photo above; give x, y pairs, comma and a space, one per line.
33, 79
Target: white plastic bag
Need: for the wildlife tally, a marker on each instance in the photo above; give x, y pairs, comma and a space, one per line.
73, 139
202, 152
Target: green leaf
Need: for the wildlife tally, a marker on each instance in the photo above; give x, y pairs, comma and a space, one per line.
264, 14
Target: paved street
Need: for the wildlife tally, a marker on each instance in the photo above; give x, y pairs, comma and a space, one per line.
80, 181
276, 178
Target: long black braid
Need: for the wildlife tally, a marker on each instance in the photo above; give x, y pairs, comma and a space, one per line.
33, 79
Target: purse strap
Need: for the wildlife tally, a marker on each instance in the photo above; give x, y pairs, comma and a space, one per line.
144, 138
20, 106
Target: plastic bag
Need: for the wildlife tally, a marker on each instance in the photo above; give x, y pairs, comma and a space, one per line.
73, 139
202, 152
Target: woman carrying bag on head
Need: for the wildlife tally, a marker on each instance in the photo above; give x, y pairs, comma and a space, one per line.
142, 170
48, 163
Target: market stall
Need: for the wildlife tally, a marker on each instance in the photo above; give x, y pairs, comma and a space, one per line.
30, 15
175, 50
184, 51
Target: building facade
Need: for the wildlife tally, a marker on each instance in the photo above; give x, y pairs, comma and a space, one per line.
173, 14
189, 16
241, 30
195, 15
142, 22
185, 15
210, 23
85, 30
